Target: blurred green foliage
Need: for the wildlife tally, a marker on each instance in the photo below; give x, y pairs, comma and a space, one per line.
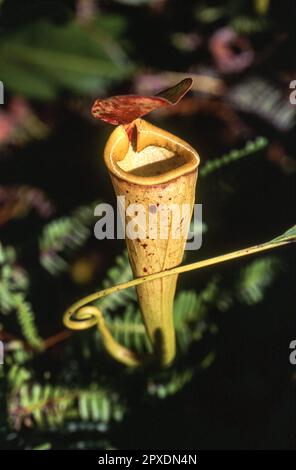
98, 397
42, 58
61, 390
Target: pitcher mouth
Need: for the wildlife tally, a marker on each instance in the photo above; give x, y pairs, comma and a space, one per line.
154, 156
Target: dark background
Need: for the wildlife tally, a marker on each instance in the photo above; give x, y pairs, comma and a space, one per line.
246, 399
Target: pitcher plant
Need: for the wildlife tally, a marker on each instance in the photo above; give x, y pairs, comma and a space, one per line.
156, 173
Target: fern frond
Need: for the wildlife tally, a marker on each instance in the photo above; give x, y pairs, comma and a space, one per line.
26, 319
170, 384
16, 361
244, 24
251, 147
41, 406
62, 236
98, 406
50, 407
12, 279
255, 279
190, 314
208, 360
128, 329
13, 290
119, 273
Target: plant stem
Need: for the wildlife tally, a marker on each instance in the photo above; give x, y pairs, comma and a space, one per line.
81, 315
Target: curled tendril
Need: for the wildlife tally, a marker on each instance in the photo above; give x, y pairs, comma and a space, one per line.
84, 318
89, 316
81, 316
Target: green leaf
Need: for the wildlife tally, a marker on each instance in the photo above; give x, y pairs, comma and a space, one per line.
288, 236
43, 58
26, 82
44, 446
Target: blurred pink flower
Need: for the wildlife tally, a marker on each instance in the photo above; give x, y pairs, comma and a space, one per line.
231, 52
6, 126
12, 117
19, 109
